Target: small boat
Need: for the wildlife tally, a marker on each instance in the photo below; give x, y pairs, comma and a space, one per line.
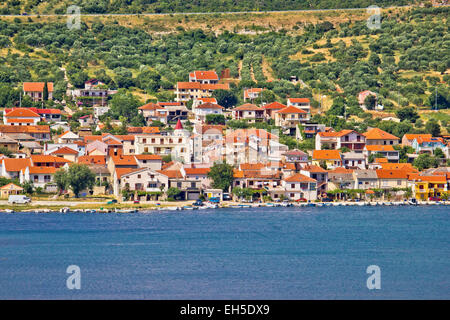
9, 211
64, 210
310, 204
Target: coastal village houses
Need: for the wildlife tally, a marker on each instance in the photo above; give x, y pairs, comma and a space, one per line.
276, 151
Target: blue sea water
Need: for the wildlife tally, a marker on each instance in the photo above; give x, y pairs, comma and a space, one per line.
258, 253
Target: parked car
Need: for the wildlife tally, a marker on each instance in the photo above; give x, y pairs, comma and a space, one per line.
112, 201
226, 197
136, 201
214, 199
18, 199
301, 200
434, 199
198, 203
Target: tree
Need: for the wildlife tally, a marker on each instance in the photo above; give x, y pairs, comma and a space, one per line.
60, 179
370, 102
173, 193
425, 161
225, 98
124, 104
5, 151
28, 187
78, 177
45, 92
221, 175
215, 119
433, 128
407, 113
438, 153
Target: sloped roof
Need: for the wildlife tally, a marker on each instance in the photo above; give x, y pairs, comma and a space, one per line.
274, 106
291, 109
378, 134
15, 165
209, 105
326, 155
298, 177
64, 150
299, 100
22, 112
247, 107
37, 86
205, 75
392, 174
377, 147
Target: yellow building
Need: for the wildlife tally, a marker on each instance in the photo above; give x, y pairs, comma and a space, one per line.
429, 186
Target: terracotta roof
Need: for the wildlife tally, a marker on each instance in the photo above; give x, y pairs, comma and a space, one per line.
92, 160
252, 166
295, 152
421, 140
341, 170
298, 177
378, 147
48, 158
412, 136
11, 186
65, 150
299, 100
15, 165
171, 174
196, 171
207, 99
19, 121
392, 174
150, 106
209, 105
22, 112
247, 107
439, 178
42, 170
381, 160
148, 157
314, 168
378, 134
401, 166
238, 173
169, 104
25, 129
123, 160
37, 86
205, 75
147, 130
274, 106
326, 155
122, 171
291, 109
213, 128
251, 90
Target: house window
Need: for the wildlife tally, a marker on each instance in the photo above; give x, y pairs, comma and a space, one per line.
192, 184
139, 176
292, 185
178, 185
399, 182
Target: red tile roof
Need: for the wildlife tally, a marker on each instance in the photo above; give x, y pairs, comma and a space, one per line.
378, 134
204, 75
37, 86
298, 177
392, 174
123, 160
247, 107
326, 155
92, 160
196, 171
15, 165
291, 109
22, 112
274, 105
209, 105
65, 150
48, 158
299, 100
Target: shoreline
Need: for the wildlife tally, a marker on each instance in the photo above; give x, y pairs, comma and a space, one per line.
181, 206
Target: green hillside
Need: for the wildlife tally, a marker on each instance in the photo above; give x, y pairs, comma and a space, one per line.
405, 61
153, 6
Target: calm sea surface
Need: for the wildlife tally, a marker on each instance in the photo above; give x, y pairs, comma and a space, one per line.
261, 253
